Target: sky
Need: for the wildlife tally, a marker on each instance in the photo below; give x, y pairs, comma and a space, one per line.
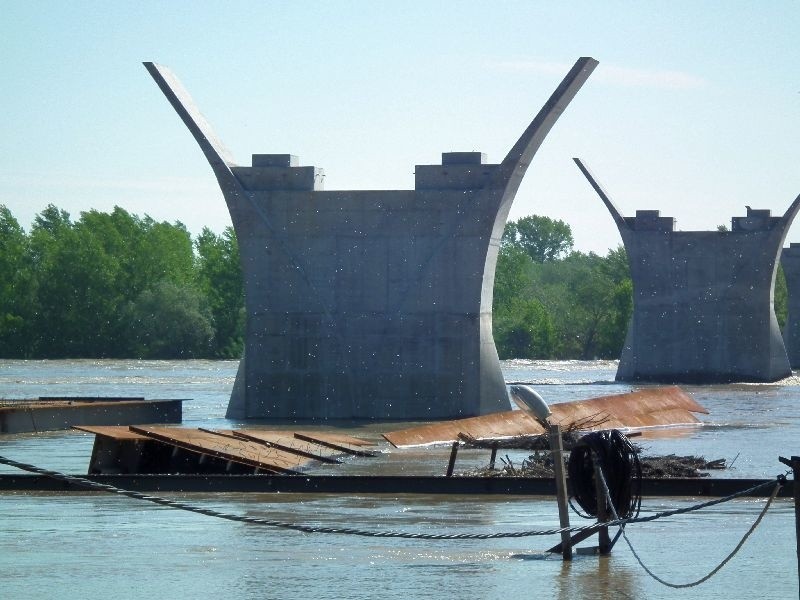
694, 109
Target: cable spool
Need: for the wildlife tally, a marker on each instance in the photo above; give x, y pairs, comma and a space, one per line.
619, 462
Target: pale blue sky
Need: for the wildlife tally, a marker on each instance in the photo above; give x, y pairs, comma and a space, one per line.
694, 109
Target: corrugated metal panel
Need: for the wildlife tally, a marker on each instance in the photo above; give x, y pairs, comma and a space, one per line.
650, 407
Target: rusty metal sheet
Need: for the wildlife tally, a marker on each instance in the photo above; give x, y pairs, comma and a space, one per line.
505, 424
649, 407
245, 452
639, 402
285, 440
334, 438
116, 432
336, 441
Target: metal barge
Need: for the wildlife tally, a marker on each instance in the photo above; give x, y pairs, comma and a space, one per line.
371, 484
58, 413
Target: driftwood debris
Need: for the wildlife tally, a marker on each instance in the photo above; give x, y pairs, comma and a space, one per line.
540, 464
535, 441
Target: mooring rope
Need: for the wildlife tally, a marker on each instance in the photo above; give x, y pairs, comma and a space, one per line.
715, 570
176, 504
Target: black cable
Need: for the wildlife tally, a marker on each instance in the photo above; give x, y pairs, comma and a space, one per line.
72, 480
622, 471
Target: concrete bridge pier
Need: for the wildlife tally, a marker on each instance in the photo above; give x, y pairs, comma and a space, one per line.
369, 304
703, 306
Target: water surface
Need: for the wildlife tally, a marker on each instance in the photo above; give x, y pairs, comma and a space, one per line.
92, 545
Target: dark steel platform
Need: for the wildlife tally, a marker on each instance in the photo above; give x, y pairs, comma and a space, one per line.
60, 413
373, 484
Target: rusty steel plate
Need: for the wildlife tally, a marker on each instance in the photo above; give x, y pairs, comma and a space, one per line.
116, 432
237, 450
649, 407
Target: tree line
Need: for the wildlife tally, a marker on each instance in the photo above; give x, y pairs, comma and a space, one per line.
114, 285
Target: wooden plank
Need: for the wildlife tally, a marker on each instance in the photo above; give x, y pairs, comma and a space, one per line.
241, 451
649, 407
116, 432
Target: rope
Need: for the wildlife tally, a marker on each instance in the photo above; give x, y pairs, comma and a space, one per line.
103, 487
715, 570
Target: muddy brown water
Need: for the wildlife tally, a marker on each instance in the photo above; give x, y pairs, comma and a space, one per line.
91, 545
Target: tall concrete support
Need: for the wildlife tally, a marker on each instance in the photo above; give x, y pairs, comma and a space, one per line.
369, 304
790, 261
703, 309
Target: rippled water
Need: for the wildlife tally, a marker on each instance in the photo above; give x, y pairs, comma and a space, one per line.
98, 546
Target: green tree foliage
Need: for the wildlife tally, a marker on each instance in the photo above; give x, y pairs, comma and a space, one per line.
168, 320
541, 238
553, 303
116, 285
512, 276
781, 297
523, 329
16, 285
590, 303
521, 325
219, 275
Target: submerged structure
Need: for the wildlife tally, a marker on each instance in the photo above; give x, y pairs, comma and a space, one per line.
369, 304
57, 413
703, 301
790, 261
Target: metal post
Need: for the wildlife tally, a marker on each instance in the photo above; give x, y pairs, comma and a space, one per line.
794, 463
451, 465
493, 457
557, 449
796, 488
603, 541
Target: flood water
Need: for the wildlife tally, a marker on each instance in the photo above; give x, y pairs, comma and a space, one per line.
94, 545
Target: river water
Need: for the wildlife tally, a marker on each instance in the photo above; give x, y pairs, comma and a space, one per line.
92, 545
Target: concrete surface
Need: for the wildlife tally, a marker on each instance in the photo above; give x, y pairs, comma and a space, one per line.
370, 304
703, 305
790, 261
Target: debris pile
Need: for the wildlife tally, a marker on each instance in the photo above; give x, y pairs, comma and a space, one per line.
672, 465
540, 464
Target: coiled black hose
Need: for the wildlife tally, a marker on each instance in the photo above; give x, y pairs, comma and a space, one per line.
621, 469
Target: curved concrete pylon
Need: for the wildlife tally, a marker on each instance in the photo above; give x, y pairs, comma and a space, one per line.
508, 176
241, 204
519, 158
790, 261
370, 304
622, 225
703, 301
788, 218
214, 150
